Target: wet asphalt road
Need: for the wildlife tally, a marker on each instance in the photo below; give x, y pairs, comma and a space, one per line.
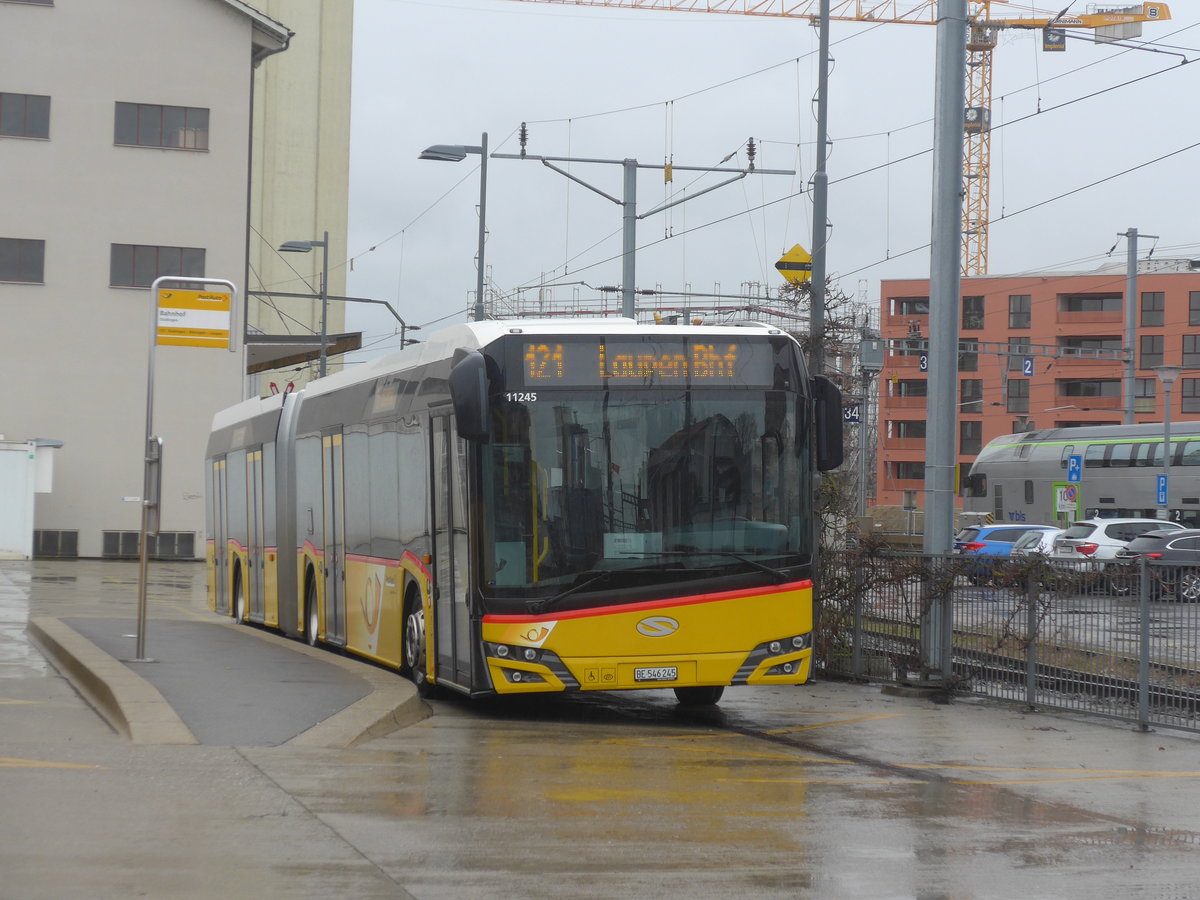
830, 789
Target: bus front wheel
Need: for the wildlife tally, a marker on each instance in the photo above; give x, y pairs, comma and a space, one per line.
415, 659
699, 696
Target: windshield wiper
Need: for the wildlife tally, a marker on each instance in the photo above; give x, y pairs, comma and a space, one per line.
541, 604
777, 575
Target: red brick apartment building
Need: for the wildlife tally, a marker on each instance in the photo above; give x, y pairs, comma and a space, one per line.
1044, 317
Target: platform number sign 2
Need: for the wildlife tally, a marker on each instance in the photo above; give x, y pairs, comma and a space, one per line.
1027, 366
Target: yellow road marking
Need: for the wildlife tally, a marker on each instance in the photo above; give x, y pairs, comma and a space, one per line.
11, 763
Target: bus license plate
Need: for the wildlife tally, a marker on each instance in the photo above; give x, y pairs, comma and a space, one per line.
657, 673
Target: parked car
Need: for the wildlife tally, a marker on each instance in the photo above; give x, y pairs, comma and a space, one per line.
1100, 539
1174, 558
1041, 541
993, 541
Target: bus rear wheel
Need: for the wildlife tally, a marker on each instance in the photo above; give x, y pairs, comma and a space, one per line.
239, 598
312, 617
707, 695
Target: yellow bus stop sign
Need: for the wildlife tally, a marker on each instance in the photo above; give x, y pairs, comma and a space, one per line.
795, 265
193, 318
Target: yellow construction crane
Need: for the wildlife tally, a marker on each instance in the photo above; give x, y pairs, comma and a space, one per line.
982, 33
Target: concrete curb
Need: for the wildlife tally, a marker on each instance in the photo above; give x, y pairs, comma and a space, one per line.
129, 703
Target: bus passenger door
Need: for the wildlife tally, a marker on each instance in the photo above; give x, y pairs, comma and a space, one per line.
334, 539
254, 558
452, 626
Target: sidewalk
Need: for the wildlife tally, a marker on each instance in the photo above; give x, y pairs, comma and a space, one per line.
210, 681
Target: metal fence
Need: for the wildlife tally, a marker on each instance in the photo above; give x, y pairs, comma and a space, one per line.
1119, 641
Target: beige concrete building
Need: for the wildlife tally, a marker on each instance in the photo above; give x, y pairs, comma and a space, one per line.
301, 181
125, 135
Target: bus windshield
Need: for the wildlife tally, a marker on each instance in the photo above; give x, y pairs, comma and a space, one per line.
675, 484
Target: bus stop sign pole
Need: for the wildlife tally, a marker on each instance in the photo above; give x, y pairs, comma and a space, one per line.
182, 318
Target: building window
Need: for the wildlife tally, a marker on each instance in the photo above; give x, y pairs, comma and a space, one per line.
150, 125
1090, 303
1153, 303
910, 387
1194, 307
1018, 349
910, 306
1019, 310
1191, 351
24, 115
1081, 387
903, 428
1189, 395
1018, 395
970, 395
970, 437
972, 313
137, 265
22, 260
968, 356
1151, 346
909, 471
1144, 395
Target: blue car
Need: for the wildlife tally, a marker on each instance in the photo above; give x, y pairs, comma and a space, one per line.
990, 540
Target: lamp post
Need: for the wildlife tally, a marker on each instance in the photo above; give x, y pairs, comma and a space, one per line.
1167, 375
457, 153
305, 247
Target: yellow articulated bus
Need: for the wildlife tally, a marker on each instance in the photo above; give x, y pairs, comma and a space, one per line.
532, 506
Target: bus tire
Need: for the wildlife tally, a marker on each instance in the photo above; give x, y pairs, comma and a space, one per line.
238, 601
312, 617
416, 644
708, 695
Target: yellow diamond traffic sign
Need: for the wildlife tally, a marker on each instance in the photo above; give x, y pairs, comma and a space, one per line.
795, 265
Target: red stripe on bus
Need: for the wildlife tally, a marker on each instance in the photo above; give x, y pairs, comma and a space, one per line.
651, 604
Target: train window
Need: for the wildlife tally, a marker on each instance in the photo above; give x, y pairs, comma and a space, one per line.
1121, 456
1093, 456
1068, 450
1028, 492
1191, 454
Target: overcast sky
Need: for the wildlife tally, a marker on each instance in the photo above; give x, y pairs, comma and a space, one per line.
610, 84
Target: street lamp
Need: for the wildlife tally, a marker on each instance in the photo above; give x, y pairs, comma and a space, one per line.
457, 153
1167, 375
305, 247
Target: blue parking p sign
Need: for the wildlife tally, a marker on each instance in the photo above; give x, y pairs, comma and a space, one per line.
1162, 490
1075, 468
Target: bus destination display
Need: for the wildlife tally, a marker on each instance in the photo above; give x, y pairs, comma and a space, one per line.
615, 363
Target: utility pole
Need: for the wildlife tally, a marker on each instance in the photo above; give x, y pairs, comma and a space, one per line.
820, 193
944, 303
1131, 297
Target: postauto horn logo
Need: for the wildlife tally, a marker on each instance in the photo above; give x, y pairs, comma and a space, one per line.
657, 626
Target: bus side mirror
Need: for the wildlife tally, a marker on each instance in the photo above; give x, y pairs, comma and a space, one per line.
827, 400
469, 392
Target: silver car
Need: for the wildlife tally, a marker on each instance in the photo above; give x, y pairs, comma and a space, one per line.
1100, 539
